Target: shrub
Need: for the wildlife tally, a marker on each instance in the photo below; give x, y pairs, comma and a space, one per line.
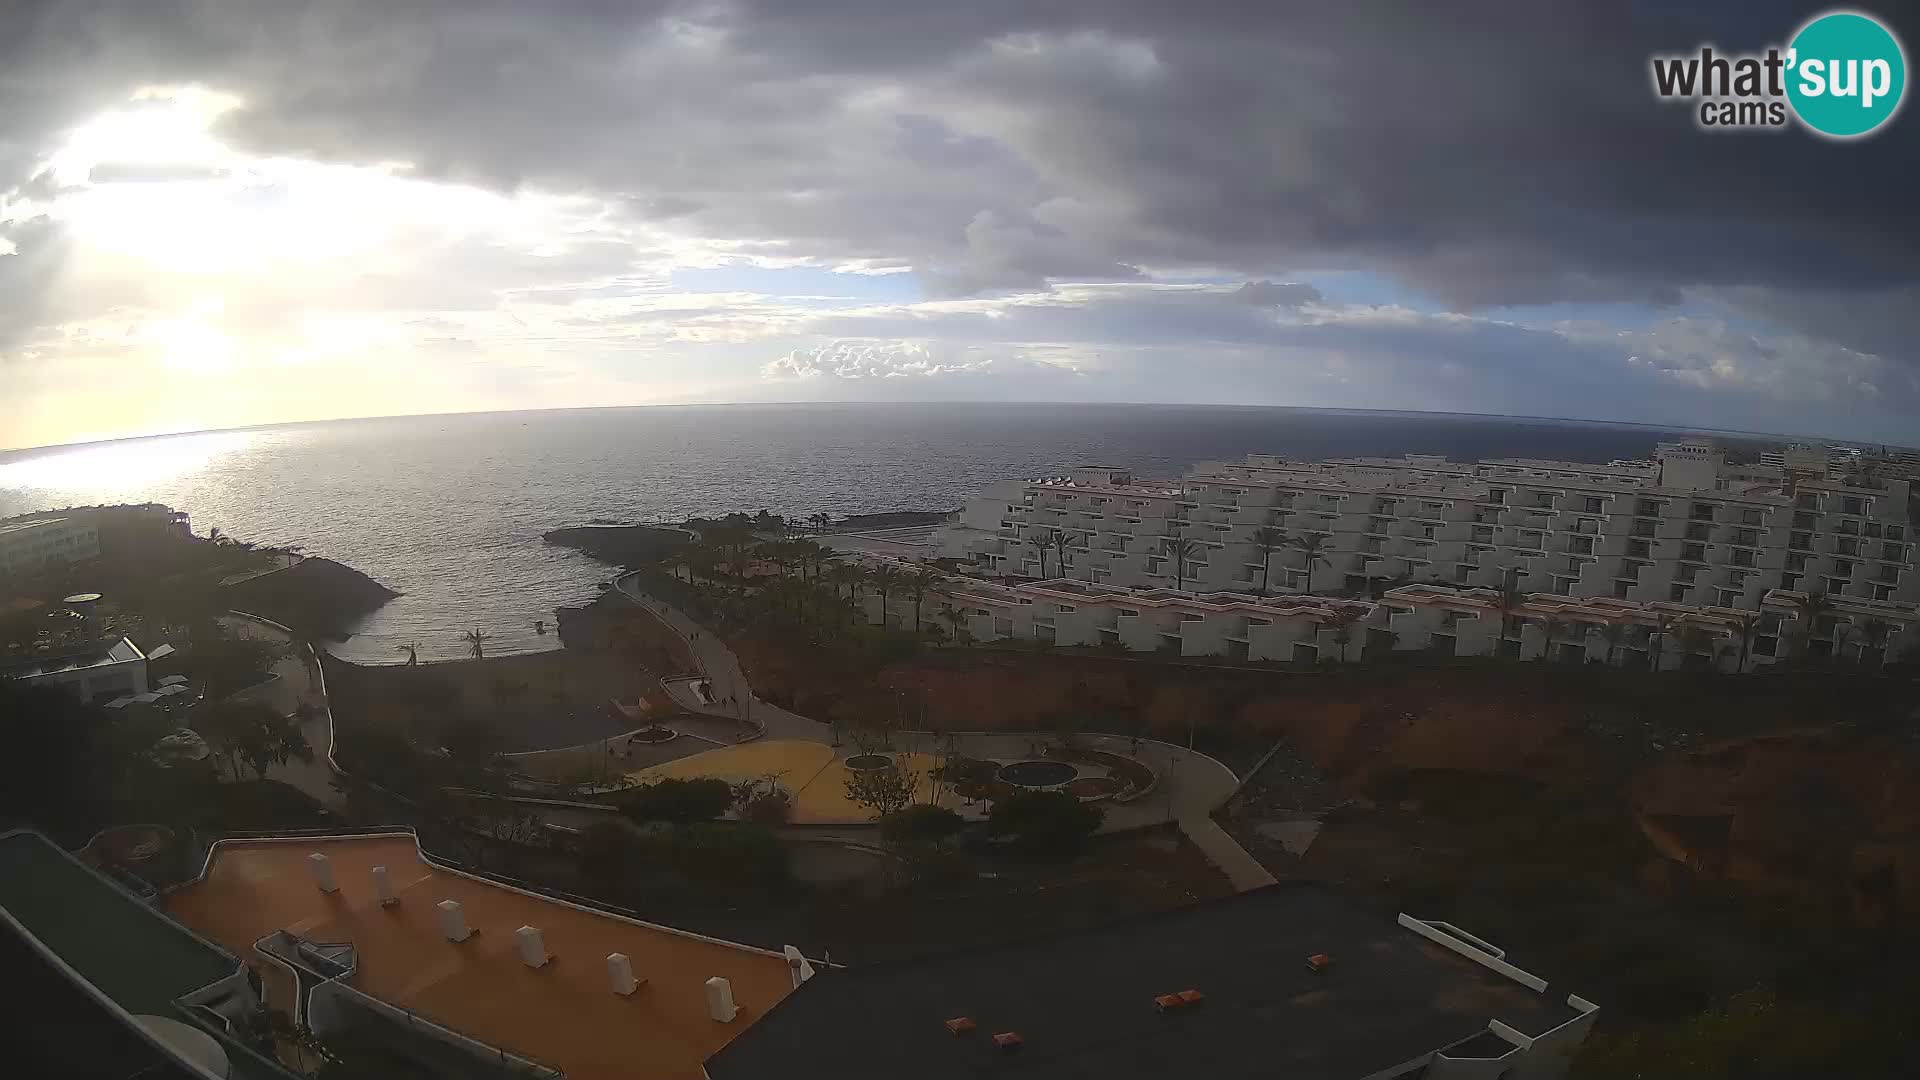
1044, 822
920, 827
679, 801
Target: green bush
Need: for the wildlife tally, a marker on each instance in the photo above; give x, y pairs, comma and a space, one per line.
1044, 822
682, 802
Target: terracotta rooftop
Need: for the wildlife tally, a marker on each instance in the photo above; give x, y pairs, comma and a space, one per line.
562, 1015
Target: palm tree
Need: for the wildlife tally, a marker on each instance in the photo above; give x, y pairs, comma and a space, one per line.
411, 648
1312, 544
885, 579
1873, 635
1511, 600
1809, 609
956, 620
476, 640
820, 522
1744, 630
1180, 549
1041, 542
1266, 540
917, 586
1061, 539
1549, 626
1663, 625
1613, 634
1694, 640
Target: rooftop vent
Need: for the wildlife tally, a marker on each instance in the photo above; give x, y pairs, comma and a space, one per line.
961, 1025
533, 946
720, 1004
322, 872
383, 887
1009, 1040
1168, 1002
1192, 997
1319, 962
453, 920
620, 974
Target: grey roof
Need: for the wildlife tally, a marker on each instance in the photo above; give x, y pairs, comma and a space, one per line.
1083, 1003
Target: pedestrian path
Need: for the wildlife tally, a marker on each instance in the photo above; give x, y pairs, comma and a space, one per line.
1224, 853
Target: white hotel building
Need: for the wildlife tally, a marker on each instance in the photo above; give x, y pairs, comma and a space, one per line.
1683, 534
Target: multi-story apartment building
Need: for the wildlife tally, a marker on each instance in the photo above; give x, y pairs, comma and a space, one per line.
31, 545
1440, 619
1686, 527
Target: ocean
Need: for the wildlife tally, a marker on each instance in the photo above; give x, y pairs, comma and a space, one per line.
449, 510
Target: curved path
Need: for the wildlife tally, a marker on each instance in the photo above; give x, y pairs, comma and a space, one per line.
1191, 786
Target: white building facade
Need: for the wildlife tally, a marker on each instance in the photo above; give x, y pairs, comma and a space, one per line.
30, 546
1436, 619
1687, 527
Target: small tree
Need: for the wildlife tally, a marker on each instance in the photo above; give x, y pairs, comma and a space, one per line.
882, 791
1044, 822
1266, 540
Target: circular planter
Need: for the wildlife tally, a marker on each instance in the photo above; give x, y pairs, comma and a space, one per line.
869, 762
658, 733
1039, 775
1093, 787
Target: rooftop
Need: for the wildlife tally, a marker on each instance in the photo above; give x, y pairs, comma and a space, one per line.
122, 947
8, 527
95, 654
1083, 1004
562, 1014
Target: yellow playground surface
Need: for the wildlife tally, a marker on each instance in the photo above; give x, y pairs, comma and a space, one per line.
813, 772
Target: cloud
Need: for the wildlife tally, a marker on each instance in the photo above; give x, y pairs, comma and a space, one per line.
1049, 172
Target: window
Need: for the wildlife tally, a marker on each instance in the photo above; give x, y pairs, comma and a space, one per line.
1807, 502
1789, 581
1643, 528
1895, 552
1796, 562
1887, 573
1593, 504
1802, 540
1697, 531
1853, 504
1685, 573
1586, 525
1850, 528
1896, 532
1742, 557
1729, 598
1883, 592
1543, 500
1620, 590
1677, 593
1131, 613
1835, 585
1639, 549
1702, 512
1746, 537
1805, 521
1580, 545
1750, 517
1693, 552
1064, 609
1496, 495
1843, 567
1647, 508
1845, 546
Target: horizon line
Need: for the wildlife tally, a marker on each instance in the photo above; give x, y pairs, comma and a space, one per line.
11, 452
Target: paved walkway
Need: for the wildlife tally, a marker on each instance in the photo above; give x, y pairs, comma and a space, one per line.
1191, 785
297, 685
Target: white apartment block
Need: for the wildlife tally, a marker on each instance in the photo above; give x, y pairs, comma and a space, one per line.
29, 546
1687, 527
1442, 620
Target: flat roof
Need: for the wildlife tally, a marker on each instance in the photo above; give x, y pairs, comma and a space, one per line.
121, 946
1083, 1004
22, 526
562, 1015
107, 654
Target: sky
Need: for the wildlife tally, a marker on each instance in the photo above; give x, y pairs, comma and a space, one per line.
217, 213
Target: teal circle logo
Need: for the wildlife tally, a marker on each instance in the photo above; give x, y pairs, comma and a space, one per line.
1846, 74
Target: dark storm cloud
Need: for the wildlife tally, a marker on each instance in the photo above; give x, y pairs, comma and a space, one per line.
1487, 154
